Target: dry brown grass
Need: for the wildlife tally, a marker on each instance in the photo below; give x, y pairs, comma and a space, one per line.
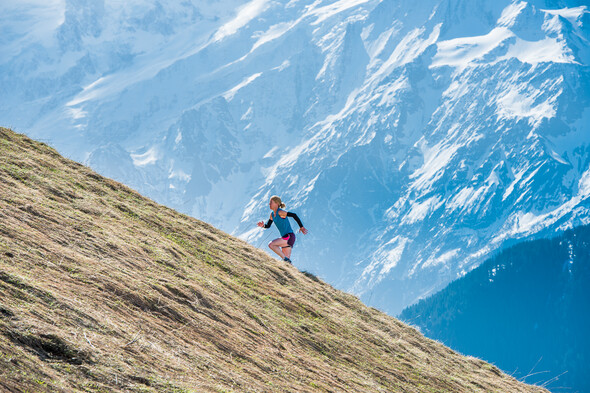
102, 289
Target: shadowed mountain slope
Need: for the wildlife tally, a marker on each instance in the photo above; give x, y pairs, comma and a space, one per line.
102, 289
525, 310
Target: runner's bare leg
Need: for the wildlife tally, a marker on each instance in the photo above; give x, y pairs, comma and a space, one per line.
276, 246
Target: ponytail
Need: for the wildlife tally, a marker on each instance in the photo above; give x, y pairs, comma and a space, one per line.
278, 201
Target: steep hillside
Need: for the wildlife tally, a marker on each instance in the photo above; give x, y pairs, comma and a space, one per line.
102, 289
433, 131
525, 310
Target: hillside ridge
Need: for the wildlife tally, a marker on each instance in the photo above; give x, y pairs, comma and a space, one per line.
102, 289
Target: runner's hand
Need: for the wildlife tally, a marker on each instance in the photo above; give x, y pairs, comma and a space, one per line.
260, 224
303, 230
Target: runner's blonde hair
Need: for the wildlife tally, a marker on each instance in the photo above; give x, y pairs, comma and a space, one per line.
277, 200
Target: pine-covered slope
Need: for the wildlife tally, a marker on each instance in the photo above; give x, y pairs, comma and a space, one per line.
102, 289
526, 310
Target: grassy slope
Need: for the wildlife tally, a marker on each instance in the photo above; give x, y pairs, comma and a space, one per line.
102, 289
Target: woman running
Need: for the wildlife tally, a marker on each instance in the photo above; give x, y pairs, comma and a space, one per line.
284, 244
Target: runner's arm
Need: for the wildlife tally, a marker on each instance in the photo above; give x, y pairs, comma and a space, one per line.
268, 223
296, 218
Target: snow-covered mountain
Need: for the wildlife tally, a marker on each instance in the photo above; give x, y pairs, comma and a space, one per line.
413, 138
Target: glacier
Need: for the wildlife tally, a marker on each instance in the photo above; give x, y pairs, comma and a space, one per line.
413, 139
